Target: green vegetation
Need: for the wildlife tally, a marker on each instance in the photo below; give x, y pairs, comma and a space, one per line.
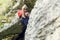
12, 31
30, 4
5, 6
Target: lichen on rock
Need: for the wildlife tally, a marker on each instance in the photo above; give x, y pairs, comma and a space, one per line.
44, 21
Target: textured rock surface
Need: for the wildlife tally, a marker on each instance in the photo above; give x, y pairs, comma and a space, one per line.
44, 23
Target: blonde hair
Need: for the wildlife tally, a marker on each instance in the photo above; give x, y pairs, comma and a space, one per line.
24, 6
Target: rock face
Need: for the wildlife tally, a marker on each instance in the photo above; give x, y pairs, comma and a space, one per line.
44, 22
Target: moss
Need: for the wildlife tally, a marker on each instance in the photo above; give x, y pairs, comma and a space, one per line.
11, 31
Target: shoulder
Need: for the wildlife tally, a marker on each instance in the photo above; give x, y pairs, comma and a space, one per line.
19, 13
19, 10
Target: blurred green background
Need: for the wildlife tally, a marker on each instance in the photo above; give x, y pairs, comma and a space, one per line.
5, 7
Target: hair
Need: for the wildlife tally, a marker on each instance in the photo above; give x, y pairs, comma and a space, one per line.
24, 7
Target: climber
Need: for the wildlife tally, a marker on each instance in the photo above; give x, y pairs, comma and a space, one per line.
24, 16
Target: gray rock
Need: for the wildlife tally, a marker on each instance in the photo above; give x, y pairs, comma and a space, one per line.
44, 21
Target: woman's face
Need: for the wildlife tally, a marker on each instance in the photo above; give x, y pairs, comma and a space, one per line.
26, 14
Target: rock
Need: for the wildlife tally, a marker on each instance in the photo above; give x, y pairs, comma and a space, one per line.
44, 22
55, 35
15, 27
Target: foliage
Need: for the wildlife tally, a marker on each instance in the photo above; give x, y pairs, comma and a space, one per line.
11, 31
30, 4
14, 29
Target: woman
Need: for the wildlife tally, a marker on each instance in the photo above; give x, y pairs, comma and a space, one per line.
24, 15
